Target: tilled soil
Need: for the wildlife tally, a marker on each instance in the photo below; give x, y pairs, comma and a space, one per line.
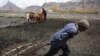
84, 44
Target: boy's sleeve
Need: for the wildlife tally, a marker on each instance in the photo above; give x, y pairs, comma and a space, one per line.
63, 36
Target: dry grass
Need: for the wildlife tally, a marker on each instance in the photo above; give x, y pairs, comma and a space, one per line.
13, 15
79, 11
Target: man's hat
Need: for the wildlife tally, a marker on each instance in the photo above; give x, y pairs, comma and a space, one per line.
83, 23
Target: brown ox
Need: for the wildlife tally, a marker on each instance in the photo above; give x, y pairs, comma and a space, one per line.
37, 17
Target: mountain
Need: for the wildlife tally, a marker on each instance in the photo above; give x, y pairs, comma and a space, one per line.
90, 3
62, 5
86, 4
38, 8
10, 7
68, 5
50, 4
33, 8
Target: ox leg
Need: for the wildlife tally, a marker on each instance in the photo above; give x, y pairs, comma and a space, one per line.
28, 20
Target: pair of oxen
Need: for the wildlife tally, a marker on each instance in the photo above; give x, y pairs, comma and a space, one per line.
37, 17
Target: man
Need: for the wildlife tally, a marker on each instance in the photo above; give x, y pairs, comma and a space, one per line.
45, 13
58, 40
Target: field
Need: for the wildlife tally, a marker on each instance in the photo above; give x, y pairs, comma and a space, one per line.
15, 31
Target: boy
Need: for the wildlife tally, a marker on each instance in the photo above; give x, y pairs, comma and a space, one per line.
58, 40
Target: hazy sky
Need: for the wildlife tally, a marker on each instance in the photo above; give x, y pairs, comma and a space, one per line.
25, 3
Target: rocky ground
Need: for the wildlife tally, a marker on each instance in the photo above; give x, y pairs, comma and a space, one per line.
18, 31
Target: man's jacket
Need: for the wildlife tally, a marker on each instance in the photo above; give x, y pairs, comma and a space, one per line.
60, 37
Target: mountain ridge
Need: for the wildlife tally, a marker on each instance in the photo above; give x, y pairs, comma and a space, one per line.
87, 4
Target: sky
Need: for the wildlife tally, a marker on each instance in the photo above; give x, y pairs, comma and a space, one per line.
26, 3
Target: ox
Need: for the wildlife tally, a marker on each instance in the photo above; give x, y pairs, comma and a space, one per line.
37, 17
